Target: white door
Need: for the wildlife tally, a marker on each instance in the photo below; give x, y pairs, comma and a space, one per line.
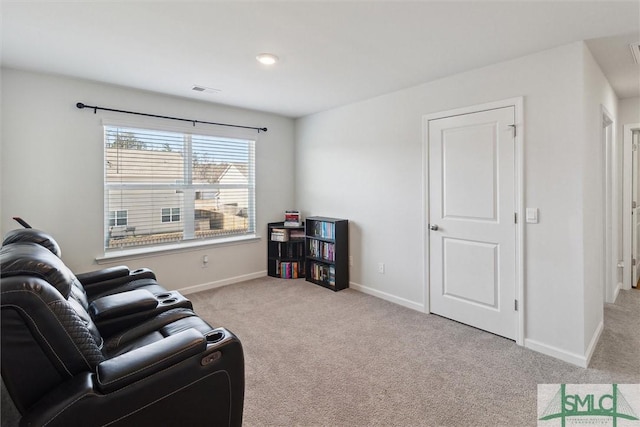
635, 217
472, 237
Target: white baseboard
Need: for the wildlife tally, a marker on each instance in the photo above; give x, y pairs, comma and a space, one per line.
220, 283
596, 338
575, 359
388, 297
616, 291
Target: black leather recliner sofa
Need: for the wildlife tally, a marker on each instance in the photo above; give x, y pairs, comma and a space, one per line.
70, 360
117, 297
97, 283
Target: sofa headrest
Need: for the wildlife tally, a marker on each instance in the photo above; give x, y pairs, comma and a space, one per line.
35, 236
31, 259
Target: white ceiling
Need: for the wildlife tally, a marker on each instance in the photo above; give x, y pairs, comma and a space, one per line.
331, 52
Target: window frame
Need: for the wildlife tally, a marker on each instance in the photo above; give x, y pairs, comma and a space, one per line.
242, 135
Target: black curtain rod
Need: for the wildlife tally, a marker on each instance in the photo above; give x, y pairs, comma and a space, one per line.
80, 105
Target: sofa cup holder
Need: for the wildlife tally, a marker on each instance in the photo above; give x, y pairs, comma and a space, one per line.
163, 296
168, 301
215, 336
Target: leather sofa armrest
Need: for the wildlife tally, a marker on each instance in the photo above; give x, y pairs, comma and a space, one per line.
105, 274
122, 304
127, 368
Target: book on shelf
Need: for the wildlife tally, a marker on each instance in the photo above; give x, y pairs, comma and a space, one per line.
292, 250
279, 235
322, 250
289, 270
296, 234
325, 274
292, 218
324, 230
287, 248
332, 276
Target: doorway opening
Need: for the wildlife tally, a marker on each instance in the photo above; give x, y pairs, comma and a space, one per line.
635, 209
630, 206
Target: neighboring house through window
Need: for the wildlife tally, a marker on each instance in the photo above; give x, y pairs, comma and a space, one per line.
174, 187
117, 218
171, 214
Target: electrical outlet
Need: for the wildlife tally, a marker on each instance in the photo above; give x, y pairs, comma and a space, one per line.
205, 261
381, 267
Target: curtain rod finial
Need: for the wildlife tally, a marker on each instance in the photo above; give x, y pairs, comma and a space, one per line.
80, 105
262, 129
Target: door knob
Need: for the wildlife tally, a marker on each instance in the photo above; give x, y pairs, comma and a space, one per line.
433, 227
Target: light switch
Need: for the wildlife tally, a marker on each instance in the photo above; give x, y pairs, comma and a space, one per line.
532, 215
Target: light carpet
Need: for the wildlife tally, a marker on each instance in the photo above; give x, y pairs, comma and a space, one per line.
318, 358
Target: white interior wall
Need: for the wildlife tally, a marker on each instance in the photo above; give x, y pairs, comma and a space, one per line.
364, 162
598, 96
628, 113
52, 172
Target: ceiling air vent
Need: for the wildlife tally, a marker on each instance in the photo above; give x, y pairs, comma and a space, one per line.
635, 50
200, 88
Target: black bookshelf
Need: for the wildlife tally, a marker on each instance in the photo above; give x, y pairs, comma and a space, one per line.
285, 253
327, 252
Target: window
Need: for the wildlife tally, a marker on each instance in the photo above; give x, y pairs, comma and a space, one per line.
117, 218
171, 187
171, 214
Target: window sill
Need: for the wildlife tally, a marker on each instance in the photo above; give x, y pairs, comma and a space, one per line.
146, 252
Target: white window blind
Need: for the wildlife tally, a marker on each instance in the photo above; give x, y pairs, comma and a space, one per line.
168, 187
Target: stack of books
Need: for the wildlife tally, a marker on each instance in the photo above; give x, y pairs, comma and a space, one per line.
292, 218
279, 235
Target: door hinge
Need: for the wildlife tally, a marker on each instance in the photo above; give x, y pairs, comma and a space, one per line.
515, 132
515, 305
515, 217
633, 261
634, 147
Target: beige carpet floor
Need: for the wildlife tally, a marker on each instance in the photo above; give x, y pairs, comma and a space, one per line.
318, 358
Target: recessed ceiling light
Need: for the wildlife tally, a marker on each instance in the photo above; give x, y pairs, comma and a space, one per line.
267, 58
